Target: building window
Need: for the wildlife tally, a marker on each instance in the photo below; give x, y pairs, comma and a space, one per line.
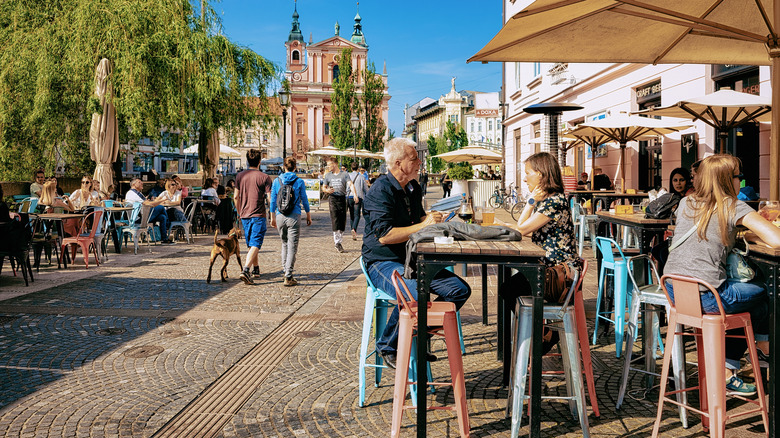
335, 73
537, 69
299, 128
296, 55
327, 128
479, 126
490, 125
472, 126
454, 118
249, 138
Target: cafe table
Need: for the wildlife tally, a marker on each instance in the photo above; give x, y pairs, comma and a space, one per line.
583, 195
58, 218
767, 261
524, 256
608, 198
112, 211
645, 228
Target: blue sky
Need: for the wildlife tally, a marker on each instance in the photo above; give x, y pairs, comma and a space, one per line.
424, 42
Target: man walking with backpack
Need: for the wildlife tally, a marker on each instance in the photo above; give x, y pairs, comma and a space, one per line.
288, 192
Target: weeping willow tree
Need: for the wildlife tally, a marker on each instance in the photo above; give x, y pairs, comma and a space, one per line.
173, 70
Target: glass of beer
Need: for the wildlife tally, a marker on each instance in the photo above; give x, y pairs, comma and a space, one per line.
488, 215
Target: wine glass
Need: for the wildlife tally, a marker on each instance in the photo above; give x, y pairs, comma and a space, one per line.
466, 212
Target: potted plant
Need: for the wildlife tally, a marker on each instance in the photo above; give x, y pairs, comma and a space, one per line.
460, 174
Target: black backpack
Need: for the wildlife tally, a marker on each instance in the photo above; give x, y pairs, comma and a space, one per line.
663, 206
285, 199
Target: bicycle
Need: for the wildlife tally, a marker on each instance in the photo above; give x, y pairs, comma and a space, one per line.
509, 202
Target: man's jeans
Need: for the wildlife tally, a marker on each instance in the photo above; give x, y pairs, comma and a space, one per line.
448, 287
289, 231
354, 212
738, 297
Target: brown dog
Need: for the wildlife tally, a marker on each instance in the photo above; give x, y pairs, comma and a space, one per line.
225, 247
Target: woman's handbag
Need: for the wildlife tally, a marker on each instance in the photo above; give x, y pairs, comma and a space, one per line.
558, 280
737, 267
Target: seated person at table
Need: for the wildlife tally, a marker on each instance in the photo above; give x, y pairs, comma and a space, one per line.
58, 189
394, 210
84, 197
184, 189
546, 218
5, 212
210, 189
37, 185
49, 201
583, 183
680, 182
97, 193
171, 199
601, 180
158, 188
715, 211
157, 215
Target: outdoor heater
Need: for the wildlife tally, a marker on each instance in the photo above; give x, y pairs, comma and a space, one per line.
552, 113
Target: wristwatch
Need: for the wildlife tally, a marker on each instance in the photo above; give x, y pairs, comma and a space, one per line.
531, 201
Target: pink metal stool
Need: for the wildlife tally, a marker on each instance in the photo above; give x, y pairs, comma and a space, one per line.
710, 332
441, 317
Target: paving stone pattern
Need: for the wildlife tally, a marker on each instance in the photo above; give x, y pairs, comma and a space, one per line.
119, 350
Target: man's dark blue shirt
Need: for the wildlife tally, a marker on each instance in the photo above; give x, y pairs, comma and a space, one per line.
387, 205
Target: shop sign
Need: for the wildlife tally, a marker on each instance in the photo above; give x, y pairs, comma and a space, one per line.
486, 113
648, 92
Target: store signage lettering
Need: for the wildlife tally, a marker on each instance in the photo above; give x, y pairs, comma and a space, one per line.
648, 90
486, 113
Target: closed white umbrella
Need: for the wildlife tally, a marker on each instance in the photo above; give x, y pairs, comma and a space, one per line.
103, 132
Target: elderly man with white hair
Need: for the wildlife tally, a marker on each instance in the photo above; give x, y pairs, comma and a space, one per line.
394, 211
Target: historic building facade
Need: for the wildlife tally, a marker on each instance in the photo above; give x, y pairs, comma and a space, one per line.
311, 69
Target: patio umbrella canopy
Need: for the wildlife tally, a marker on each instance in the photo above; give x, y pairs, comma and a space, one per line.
329, 151
724, 110
648, 32
472, 154
103, 132
224, 151
624, 128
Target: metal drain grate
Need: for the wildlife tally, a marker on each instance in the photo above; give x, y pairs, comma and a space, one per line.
208, 413
111, 331
171, 333
143, 351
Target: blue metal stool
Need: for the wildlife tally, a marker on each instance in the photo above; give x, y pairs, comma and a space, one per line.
617, 268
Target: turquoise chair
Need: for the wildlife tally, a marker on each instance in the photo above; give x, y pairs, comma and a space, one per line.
617, 268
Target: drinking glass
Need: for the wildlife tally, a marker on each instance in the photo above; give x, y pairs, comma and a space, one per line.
488, 215
478, 214
466, 212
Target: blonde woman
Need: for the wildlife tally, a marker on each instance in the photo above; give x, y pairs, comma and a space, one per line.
715, 211
50, 200
171, 200
83, 197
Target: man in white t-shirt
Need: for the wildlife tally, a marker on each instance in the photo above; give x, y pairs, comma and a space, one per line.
157, 215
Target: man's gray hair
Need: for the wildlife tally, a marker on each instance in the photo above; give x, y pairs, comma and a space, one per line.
394, 150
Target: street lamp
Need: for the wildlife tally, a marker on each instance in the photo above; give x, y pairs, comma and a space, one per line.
354, 122
284, 100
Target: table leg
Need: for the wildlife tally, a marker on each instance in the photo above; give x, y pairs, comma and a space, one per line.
506, 332
535, 414
500, 317
484, 295
772, 283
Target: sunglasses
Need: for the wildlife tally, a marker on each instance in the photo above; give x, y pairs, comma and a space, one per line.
85, 182
740, 176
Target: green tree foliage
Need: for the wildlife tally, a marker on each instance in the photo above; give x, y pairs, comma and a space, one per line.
173, 70
343, 103
456, 135
373, 126
436, 145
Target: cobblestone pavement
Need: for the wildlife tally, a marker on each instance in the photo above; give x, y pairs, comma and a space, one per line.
142, 345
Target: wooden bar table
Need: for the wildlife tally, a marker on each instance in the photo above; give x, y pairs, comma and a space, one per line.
767, 261
646, 228
584, 195
608, 198
524, 256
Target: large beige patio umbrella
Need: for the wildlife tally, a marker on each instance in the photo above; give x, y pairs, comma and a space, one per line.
624, 128
649, 32
473, 154
593, 140
103, 132
724, 110
329, 151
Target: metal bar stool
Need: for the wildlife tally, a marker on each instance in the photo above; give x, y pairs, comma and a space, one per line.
567, 317
652, 295
616, 267
710, 333
441, 317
